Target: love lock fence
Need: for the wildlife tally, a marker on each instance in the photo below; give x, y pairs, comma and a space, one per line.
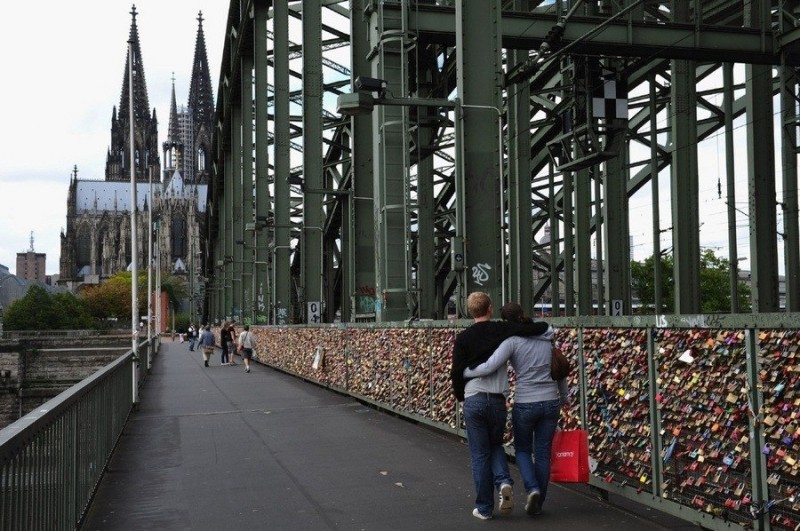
696, 416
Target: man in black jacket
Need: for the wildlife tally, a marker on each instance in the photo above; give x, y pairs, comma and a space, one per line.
485, 401
474, 345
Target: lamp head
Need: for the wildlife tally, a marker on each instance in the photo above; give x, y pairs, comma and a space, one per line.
355, 103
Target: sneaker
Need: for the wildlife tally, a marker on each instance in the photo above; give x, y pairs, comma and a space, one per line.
480, 516
247, 369
532, 503
206, 364
506, 498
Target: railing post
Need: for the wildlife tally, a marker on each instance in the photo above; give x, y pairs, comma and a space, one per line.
758, 461
135, 376
656, 466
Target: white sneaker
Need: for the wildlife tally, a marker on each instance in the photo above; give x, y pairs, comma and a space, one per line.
479, 516
532, 503
506, 498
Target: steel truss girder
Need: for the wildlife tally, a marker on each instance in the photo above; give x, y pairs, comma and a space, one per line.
651, 38
621, 39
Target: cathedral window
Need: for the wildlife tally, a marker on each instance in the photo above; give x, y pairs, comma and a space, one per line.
201, 159
178, 238
83, 250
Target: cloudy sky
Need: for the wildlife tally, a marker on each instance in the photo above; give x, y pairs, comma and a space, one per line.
63, 65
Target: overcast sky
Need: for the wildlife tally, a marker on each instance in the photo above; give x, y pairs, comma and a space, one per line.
63, 65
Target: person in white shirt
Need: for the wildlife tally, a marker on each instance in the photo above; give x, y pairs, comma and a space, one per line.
246, 345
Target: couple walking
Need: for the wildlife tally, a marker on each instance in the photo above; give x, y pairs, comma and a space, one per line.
480, 381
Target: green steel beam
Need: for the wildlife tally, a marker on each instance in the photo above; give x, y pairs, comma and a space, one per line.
582, 185
238, 195
227, 241
684, 189
582, 215
761, 189
425, 294
282, 310
789, 150
613, 241
615, 232
479, 81
359, 236
311, 300
390, 152
261, 236
621, 38
244, 244
569, 245
520, 248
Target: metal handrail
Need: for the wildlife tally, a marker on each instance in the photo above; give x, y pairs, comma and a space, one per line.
52, 459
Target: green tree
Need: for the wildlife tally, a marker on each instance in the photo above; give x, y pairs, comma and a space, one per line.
39, 310
72, 311
34, 311
714, 284
112, 298
644, 284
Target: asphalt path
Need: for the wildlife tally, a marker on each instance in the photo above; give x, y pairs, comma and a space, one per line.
215, 448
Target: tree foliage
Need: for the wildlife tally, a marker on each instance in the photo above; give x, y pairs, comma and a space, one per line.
39, 310
74, 315
93, 308
715, 293
112, 298
644, 284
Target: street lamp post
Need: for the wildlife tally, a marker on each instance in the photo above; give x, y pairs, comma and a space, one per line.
158, 279
150, 272
134, 247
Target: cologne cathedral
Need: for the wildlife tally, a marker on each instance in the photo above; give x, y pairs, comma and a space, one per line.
97, 240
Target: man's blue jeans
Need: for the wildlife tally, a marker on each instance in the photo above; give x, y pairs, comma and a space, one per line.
485, 417
534, 426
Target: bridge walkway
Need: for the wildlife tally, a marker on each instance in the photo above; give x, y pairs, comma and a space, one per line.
212, 448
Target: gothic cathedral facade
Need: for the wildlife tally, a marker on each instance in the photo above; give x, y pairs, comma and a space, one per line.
97, 241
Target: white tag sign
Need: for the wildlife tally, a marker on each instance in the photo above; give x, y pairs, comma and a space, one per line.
314, 314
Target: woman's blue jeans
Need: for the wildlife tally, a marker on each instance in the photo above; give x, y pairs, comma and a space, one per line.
485, 417
534, 426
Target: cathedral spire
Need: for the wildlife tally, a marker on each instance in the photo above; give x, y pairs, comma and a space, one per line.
174, 132
173, 146
145, 126
141, 103
201, 114
201, 98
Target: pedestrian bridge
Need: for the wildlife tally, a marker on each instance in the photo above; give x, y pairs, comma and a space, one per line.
215, 448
